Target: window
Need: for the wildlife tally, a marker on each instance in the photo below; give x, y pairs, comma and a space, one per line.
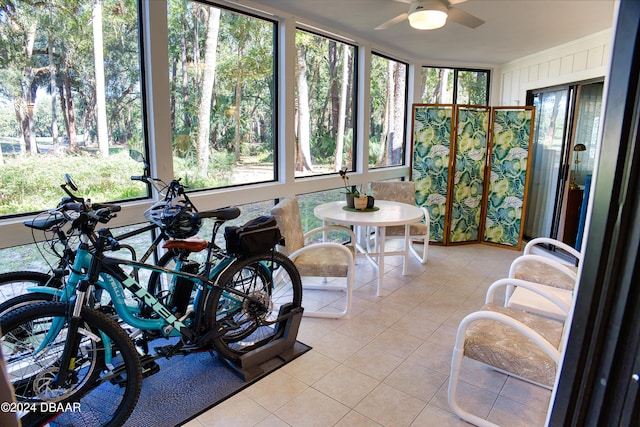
325, 104
70, 96
388, 111
455, 86
308, 202
222, 76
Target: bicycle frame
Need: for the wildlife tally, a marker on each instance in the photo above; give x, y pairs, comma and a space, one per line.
111, 277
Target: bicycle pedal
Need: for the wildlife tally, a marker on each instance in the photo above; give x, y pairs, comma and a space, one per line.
164, 351
150, 368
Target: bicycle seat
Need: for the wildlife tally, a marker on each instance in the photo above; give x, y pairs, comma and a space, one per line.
230, 212
191, 244
46, 223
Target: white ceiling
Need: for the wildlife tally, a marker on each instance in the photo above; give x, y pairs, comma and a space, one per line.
513, 28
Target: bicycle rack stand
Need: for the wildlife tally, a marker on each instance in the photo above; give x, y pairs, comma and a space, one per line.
277, 352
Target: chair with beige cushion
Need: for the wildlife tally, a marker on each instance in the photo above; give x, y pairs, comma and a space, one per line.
404, 192
552, 275
514, 342
320, 259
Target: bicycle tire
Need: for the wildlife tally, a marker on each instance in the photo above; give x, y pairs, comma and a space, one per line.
35, 279
252, 318
14, 284
100, 391
24, 300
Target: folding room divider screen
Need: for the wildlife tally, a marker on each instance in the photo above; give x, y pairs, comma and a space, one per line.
471, 165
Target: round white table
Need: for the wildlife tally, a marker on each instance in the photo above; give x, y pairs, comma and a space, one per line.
389, 213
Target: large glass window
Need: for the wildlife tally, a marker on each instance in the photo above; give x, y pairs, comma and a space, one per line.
325, 104
454, 86
70, 97
222, 76
388, 111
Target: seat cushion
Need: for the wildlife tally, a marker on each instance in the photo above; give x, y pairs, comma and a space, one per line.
538, 272
398, 191
414, 230
322, 262
502, 347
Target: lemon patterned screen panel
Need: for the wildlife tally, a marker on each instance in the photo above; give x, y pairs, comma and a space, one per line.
509, 159
467, 202
472, 133
432, 130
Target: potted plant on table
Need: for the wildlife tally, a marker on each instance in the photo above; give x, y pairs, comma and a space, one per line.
354, 198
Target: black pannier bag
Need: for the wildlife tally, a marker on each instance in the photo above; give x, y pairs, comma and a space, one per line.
256, 236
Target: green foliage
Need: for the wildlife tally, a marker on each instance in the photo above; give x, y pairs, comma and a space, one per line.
220, 172
27, 185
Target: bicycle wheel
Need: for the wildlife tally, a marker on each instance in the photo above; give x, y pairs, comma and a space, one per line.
103, 385
250, 301
24, 300
15, 284
30, 279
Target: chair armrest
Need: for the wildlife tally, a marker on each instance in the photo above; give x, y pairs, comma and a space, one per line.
545, 260
425, 212
536, 288
329, 228
521, 328
333, 245
427, 219
540, 240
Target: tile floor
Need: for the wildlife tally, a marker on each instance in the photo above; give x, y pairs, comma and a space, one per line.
387, 363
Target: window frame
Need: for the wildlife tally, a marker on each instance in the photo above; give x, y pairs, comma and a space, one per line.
456, 71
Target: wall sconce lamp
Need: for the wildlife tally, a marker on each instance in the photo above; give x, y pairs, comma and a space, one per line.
427, 15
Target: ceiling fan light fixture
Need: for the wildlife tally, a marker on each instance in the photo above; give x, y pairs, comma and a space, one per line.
427, 15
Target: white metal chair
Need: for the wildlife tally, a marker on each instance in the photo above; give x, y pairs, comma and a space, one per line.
550, 274
514, 342
321, 259
405, 192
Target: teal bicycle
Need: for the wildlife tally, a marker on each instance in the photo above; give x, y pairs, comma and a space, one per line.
94, 356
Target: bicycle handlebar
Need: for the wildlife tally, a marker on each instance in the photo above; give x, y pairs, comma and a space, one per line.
72, 206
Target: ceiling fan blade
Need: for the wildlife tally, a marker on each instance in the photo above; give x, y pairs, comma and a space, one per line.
392, 21
464, 18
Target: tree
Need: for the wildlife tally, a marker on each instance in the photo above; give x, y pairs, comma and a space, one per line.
342, 114
101, 105
396, 137
18, 34
53, 91
388, 115
303, 140
204, 111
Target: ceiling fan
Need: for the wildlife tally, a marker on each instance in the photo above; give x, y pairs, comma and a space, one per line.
432, 14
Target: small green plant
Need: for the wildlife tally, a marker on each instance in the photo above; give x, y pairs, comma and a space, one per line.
353, 190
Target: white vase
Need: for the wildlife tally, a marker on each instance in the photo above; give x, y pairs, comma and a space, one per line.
360, 203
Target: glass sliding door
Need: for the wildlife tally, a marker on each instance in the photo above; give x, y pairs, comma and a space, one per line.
549, 162
586, 133
584, 145
563, 153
